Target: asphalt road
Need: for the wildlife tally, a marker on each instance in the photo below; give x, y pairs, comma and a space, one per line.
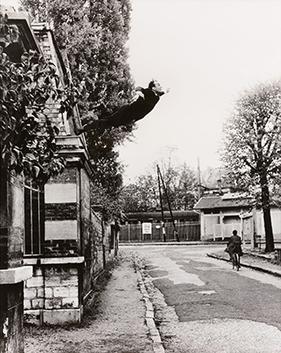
203, 305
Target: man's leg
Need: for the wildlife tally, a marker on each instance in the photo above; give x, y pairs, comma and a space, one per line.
232, 259
238, 261
122, 117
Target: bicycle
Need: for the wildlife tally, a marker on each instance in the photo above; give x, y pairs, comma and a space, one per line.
236, 261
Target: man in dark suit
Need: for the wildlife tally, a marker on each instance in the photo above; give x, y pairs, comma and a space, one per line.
130, 113
234, 245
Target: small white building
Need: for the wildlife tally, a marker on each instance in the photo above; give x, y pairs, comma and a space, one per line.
221, 214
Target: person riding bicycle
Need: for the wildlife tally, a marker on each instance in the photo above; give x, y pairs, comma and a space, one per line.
234, 245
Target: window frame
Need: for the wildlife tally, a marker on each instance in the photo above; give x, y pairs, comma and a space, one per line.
34, 233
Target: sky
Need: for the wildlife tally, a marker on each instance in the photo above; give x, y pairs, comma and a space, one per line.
14, 3
207, 52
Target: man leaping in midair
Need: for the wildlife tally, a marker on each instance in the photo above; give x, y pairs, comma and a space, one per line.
130, 113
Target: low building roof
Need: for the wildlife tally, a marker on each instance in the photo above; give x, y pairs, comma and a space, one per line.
224, 201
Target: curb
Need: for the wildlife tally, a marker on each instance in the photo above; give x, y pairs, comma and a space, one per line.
256, 268
258, 256
174, 243
157, 344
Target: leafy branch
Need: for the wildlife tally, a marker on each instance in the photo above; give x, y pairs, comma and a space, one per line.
28, 90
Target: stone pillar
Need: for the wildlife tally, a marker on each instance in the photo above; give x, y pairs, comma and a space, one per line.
51, 296
12, 273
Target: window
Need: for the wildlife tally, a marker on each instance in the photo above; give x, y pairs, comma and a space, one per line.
34, 219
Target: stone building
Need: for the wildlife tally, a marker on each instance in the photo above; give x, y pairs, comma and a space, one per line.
53, 242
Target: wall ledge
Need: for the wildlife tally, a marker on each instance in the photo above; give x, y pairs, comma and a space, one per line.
15, 275
54, 260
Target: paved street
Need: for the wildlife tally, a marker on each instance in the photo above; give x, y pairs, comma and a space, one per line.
204, 306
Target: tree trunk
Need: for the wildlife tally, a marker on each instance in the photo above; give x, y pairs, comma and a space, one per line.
269, 241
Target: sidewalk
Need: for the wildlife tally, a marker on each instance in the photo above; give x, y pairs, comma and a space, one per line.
254, 260
123, 322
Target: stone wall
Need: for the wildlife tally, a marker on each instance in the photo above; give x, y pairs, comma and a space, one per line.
93, 254
51, 296
76, 249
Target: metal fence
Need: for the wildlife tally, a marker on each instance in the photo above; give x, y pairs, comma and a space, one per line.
187, 231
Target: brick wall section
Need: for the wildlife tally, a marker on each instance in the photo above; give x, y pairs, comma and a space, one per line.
51, 288
54, 248
59, 211
93, 255
98, 249
34, 297
86, 229
100, 245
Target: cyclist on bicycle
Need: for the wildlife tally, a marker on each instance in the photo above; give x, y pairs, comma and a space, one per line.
234, 245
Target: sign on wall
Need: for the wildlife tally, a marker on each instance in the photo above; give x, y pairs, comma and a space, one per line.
146, 228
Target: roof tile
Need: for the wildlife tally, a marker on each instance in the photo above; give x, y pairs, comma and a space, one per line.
211, 202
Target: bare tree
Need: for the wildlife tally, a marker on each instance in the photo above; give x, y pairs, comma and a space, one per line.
252, 149
180, 184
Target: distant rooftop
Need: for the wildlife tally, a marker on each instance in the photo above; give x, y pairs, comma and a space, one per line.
224, 201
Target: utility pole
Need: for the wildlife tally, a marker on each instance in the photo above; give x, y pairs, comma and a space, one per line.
161, 205
169, 204
199, 178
